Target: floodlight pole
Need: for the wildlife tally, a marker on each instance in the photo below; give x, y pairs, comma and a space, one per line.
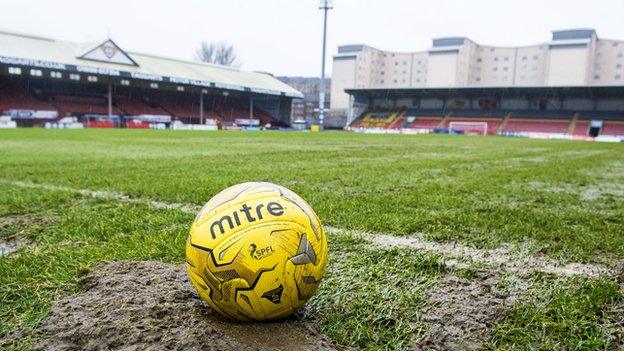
325, 5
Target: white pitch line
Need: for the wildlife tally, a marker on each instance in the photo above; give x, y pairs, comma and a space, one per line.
504, 257
512, 261
108, 195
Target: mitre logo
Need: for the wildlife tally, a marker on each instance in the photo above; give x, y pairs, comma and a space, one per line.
245, 213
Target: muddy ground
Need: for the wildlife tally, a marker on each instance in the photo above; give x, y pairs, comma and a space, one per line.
464, 311
152, 306
14, 231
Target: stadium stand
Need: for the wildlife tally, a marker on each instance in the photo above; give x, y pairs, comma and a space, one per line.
425, 122
615, 128
562, 112
181, 107
581, 128
381, 119
536, 126
43, 80
18, 95
80, 105
134, 105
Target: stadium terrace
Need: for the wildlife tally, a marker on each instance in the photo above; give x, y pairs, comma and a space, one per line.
48, 82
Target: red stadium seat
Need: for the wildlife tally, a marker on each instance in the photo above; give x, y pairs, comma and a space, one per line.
536, 126
613, 128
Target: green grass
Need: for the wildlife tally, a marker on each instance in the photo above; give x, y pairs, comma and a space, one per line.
565, 317
563, 198
371, 297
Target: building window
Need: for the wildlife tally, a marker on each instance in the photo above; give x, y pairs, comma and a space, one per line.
618, 77
15, 70
125, 82
55, 74
495, 69
615, 44
505, 68
496, 59
619, 65
534, 68
491, 49
597, 66
404, 63
35, 72
154, 85
478, 79
596, 77
479, 59
395, 81
180, 88
74, 76
92, 79
419, 62
524, 58
506, 58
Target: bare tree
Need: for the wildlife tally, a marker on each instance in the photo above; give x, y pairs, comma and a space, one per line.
220, 53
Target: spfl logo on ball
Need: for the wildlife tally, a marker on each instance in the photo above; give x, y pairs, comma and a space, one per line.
259, 254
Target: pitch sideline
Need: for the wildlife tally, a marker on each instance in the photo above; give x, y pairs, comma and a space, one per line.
502, 257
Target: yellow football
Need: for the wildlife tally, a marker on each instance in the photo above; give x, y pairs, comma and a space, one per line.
256, 251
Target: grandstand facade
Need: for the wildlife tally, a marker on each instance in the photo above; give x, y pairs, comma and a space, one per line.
43, 80
574, 57
570, 87
563, 112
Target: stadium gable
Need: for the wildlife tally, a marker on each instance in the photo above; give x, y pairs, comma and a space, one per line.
109, 52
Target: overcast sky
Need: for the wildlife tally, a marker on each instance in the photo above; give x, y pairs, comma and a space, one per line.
284, 36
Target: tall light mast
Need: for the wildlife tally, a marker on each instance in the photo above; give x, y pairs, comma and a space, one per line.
325, 5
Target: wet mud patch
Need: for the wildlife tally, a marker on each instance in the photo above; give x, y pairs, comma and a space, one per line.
151, 306
14, 231
465, 309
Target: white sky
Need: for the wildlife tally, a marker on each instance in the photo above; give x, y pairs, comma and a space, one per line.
284, 36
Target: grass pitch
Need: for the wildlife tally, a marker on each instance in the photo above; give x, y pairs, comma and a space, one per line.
560, 200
